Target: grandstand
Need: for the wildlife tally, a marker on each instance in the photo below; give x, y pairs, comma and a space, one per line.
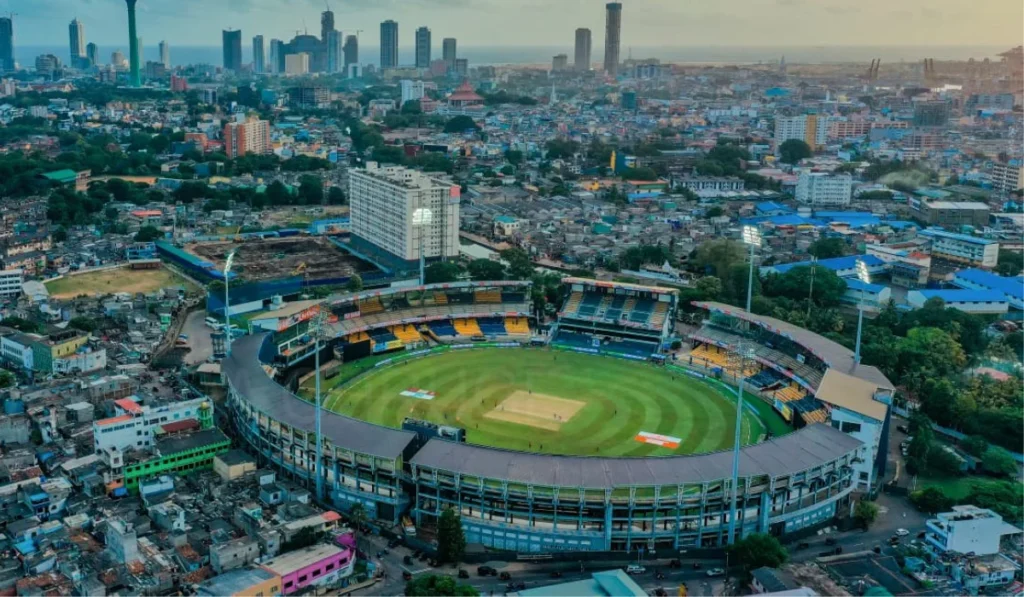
467, 327
624, 319
517, 325
406, 333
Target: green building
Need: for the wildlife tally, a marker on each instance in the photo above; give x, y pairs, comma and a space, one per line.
179, 454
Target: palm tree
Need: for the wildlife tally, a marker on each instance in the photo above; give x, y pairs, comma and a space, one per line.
357, 516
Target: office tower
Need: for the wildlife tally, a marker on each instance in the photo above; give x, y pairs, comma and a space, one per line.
309, 97
297, 64
612, 39
258, 55
251, 136
6, 44
135, 75
582, 57
232, 50
448, 52
351, 51
92, 53
462, 67
335, 51
47, 65
423, 47
411, 90
326, 25
76, 35
388, 44
117, 60
383, 201
276, 56
560, 62
165, 54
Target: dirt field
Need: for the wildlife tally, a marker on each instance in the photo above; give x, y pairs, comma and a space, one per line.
536, 410
274, 258
114, 280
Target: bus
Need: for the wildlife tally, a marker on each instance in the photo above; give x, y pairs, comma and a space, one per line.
213, 323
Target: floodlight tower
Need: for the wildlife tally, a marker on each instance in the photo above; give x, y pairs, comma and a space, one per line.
227, 305
317, 328
133, 46
751, 238
865, 278
744, 353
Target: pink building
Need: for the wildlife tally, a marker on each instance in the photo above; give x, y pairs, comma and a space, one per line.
316, 565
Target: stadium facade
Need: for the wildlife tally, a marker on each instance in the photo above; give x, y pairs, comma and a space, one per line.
528, 502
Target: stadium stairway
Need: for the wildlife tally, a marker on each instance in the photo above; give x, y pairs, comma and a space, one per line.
406, 333
371, 306
659, 314
467, 327
573, 305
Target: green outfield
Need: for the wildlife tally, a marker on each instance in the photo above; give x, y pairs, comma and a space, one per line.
554, 402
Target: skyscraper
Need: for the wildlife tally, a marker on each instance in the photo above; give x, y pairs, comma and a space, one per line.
232, 50
92, 53
258, 55
388, 44
423, 47
560, 62
351, 51
276, 56
582, 58
612, 37
6, 44
335, 51
165, 54
135, 72
448, 52
76, 35
326, 25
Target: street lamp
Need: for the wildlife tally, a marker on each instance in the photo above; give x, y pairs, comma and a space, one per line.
865, 278
751, 238
317, 325
421, 219
227, 305
744, 353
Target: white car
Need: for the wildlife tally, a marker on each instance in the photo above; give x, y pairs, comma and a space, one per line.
716, 572
902, 532
635, 569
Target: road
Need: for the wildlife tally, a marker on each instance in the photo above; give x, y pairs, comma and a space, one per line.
199, 343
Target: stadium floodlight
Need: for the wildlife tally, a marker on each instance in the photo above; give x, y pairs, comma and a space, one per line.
865, 278
752, 238
316, 326
227, 309
421, 219
745, 353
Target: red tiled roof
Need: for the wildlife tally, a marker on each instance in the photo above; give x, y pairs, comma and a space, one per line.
183, 425
128, 405
113, 420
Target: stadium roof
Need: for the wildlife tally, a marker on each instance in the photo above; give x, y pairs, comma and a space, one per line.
834, 354
835, 264
1011, 287
605, 284
845, 391
245, 373
792, 453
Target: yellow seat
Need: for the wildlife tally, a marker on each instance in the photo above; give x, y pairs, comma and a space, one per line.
467, 327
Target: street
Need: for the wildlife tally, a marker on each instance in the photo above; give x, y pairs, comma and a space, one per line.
199, 343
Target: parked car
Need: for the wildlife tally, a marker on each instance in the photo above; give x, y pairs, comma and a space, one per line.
635, 569
803, 545
697, 565
902, 532
463, 573
504, 576
486, 571
556, 574
903, 429
716, 572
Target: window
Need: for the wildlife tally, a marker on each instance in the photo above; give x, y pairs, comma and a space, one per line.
304, 578
329, 567
848, 427
289, 584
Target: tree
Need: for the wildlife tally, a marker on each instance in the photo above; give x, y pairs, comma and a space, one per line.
828, 248
710, 287
714, 212
508, 170
354, 284
931, 500
389, 154
412, 107
757, 550
60, 235
311, 190
793, 150
943, 460
865, 513
520, 267
84, 324
795, 283
481, 270
718, 256
357, 516
429, 585
451, 541
148, 234
277, 194
975, 445
7, 379
460, 124
639, 174
514, 157
1010, 263
440, 272
997, 462
23, 325
561, 149
336, 196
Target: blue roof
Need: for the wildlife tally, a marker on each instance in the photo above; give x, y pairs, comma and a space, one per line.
856, 284
1012, 287
843, 215
786, 220
835, 264
773, 206
965, 296
505, 219
953, 235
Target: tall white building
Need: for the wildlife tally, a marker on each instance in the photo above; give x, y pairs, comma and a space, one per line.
809, 128
10, 282
821, 189
383, 201
411, 90
296, 64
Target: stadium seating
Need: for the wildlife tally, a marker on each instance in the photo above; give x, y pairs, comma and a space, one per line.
790, 393
407, 333
487, 297
382, 335
440, 298
642, 311
442, 328
357, 337
615, 309
815, 416
573, 304
763, 379
588, 307
460, 298
659, 314
513, 297
517, 325
568, 338
631, 347
370, 306
492, 326
467, 327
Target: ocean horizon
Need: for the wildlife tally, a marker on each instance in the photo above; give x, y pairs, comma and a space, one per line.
525, 55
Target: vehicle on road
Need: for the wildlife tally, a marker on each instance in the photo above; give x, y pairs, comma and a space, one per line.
463, 573
902, 532
675, 563
903, 429
635, 569
504, 576
406, 575
716, 572
486, 571
894, 540
697, 565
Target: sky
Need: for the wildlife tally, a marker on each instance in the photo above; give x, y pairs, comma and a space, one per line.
645, 23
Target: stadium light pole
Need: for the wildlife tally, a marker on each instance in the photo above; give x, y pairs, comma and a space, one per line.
736, 447
752, 238
421, 218
227, 304
865, 278
318, 332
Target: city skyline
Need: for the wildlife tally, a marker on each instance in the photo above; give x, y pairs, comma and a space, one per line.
645, 22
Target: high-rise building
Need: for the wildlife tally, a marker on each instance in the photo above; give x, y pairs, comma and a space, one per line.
142, 50
399, 210
259, 62
411, 90
276, 56
232, 50
423, 47
462, 67
165, 53
179, 84
135, 64
449, 52
823, 189
560, 62
582, 57
351, 51
335, 51
388, 44
251, 136
117, 60
92, 53
6, 44
326, 24
309, 97
809, 128
297, 64
47, 65
76, 35
612, 36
